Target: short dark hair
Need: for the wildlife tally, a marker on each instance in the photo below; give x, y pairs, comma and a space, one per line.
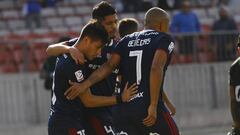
127, 26
102, 10
95, 31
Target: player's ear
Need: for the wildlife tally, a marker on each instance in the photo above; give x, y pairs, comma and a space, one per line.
238, 48
86, 40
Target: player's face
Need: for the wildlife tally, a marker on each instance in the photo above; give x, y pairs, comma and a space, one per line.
94, 49
110, 23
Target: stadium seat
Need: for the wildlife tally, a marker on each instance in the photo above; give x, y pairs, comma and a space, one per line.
73, 21
6, 5
55, 22
48, 12
3, 25
10, 14
74, 2
201, 13
76, 29
22, 32
128, 15
4, 32
83, 10
16, 24
65, 11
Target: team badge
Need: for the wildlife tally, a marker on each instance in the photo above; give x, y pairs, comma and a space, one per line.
79, 75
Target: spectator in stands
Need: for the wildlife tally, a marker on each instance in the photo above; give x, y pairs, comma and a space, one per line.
185, 21
224, 43
169, 4
131, 5
47, 70
32, 13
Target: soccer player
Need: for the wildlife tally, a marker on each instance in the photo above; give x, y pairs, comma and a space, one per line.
143, 57
101, 117
234, 89
127, 26
67, 117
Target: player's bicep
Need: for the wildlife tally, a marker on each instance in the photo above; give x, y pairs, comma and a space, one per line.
114, 60
159, 60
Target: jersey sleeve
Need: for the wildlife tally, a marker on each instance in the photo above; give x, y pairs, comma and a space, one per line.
75, 73
119, 47
165, 43
71, 42
232, 77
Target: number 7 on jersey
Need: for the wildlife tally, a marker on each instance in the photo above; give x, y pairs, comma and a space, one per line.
138, 54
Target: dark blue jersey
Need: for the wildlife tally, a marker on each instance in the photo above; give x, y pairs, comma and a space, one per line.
234, 79
66, 70
107, 86
137, 52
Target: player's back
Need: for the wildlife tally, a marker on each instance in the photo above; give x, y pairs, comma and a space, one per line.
137, 51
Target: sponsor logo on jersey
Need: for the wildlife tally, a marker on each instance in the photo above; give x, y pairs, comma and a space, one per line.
138, 95
79, 75
171, 47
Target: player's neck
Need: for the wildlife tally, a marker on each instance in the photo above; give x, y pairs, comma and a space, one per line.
80, 46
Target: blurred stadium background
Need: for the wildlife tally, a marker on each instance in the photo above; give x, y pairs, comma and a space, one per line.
198, 85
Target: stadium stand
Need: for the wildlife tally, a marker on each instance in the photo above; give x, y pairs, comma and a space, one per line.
68, 17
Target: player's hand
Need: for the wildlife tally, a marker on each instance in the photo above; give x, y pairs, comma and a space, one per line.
152, 116
171, 108
75, 90
129, 92
76, 55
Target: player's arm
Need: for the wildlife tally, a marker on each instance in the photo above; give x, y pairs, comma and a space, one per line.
61, 48
234, 109
90, 100
156, 77
98, 75
169, 104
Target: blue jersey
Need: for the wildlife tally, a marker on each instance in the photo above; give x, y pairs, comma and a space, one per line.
105, 87
234, 80
137, 52
63, 109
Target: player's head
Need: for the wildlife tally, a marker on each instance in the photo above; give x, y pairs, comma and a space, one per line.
157, 19
127, 26
238, 44
106, 14
92, 38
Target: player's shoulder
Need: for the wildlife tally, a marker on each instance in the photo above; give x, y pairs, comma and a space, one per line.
236, 64
72, 41
67, 61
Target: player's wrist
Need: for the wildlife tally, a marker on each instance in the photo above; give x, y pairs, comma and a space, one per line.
119, 99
